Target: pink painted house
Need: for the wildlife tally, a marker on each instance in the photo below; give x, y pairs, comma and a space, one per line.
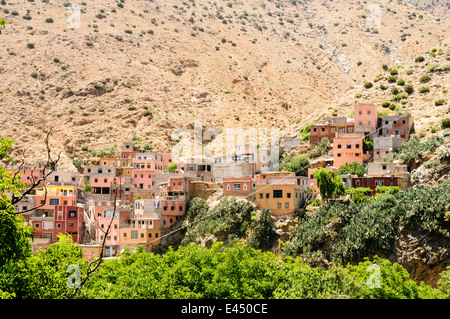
237, 185
366, 118
347, 148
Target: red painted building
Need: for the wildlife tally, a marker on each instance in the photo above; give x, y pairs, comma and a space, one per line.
373, 182
63, 219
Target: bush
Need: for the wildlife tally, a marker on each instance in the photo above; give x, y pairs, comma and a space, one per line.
30, 45
409, 89
439, 102
49, 20
401, 82
394, 90
419, 59
424, 89
353, 168
299, 165
368, 85
445, 123
425, 79
392, 79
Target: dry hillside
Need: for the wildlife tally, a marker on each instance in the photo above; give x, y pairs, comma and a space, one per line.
141, 69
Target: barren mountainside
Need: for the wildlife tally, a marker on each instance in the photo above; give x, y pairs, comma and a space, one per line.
141, 69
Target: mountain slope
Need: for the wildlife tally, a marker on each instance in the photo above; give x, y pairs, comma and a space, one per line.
230, 64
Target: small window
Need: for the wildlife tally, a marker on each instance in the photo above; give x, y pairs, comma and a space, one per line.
323, 129
278, 205
54, 201
261, 196
72, 213
288, 195
315, 129
277, 193
339, 146
267, 195
286, 205
357, 145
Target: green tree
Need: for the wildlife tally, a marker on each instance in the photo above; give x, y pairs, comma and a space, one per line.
172, 167
299, 165
14, 236
359, 194
263, 233
329, 183
353, 168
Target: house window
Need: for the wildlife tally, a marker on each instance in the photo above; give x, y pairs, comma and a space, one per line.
245, 187
349, 146
96, 180
357, 154
357, 183
286, 205
379, 183
384, 167
156, 235
341, 129
369, 122
403, 122
36, 225
278, 205
357, 145
339, 155
228, 187
236, 187
54, 201
72, 213
261, 196
58, 225
350, 129
368, 112
267, 195
360, 123
70, 224
142, 235
323, 129
124, 234
339, 146
360, 112
134, 234
315, 129
288, 195
149, 235
277, 193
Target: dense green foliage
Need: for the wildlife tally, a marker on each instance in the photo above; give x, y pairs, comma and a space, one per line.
329, 183
299, 165
364, 229
414, 148
231, 218
353, 168
44, 274
263, 231
242, 272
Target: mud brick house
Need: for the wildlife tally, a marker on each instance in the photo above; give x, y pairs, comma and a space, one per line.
330, 128
111, 219
366, 120
239, 186
283, 195
395, 125
145, 167
385, 146
48, 223
348, 148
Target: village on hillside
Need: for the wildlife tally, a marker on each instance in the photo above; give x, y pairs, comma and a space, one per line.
137, 197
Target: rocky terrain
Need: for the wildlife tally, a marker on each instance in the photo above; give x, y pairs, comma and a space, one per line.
139, 69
